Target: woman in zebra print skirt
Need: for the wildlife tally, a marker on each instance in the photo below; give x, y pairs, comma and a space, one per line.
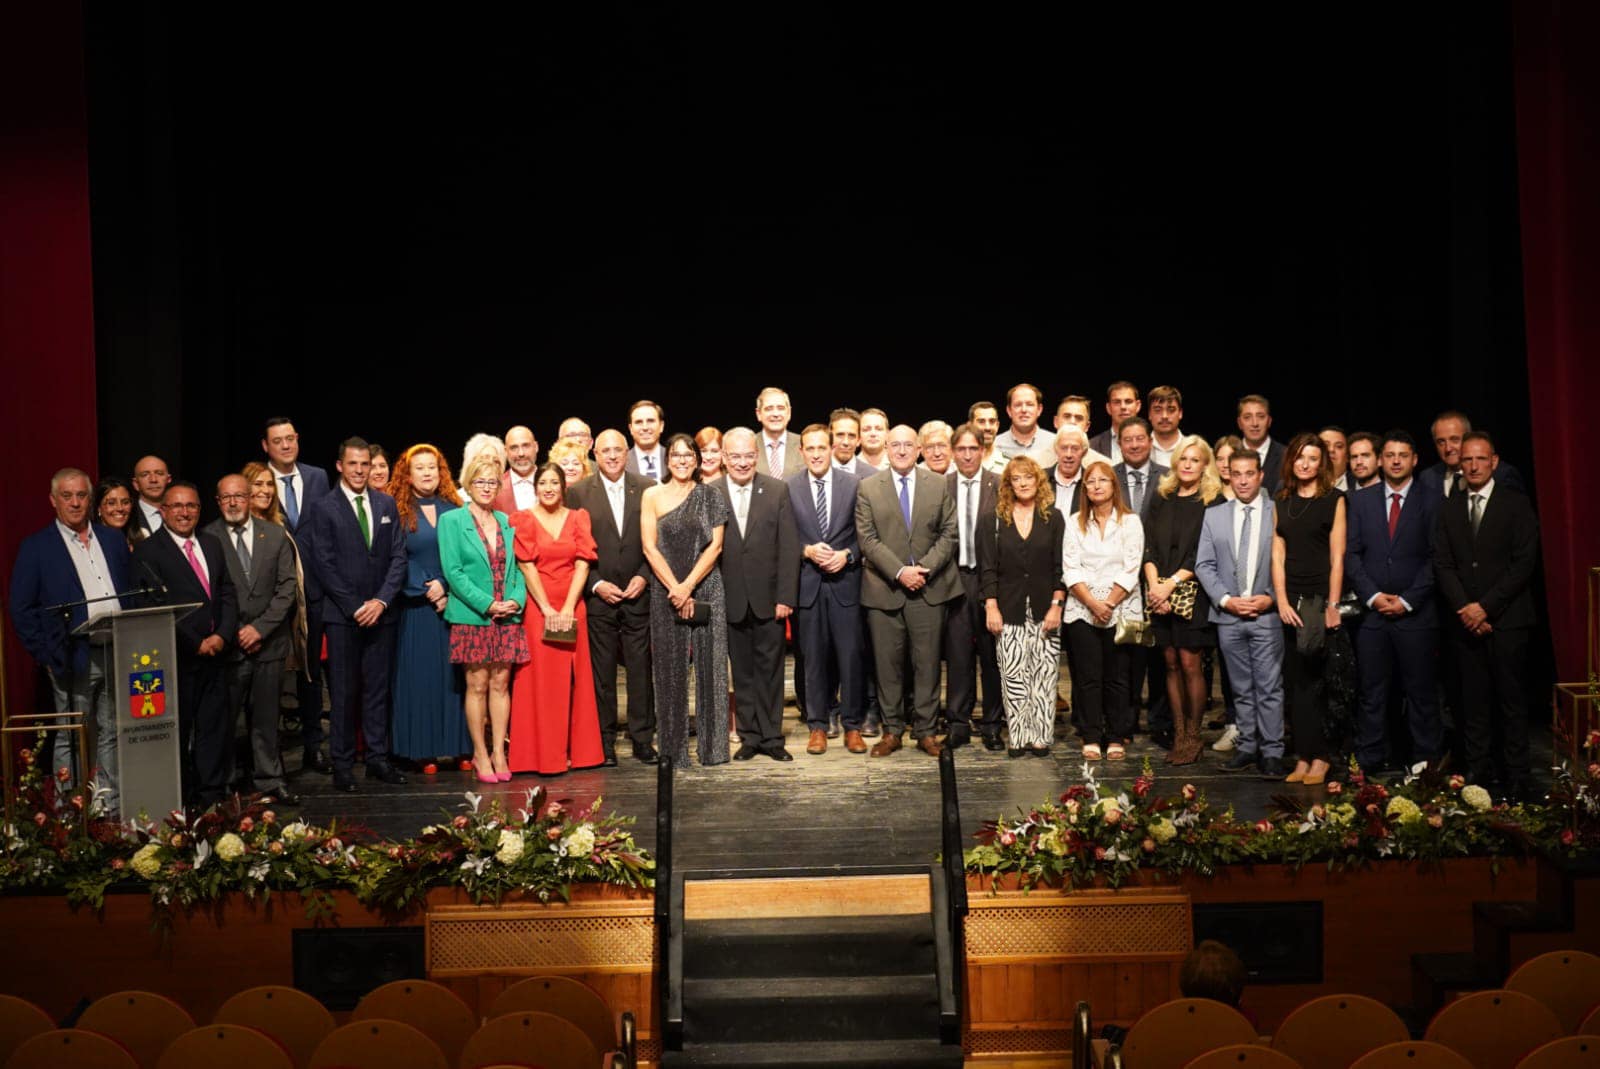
1019, 564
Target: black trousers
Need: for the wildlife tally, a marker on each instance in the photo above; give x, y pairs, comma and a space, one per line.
1305, 692
203, 723
359, 660
1493, 696
755, 657
618, 636
1100, 677
969, 653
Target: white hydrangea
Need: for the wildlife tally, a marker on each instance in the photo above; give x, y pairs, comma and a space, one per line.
230, 847
147, 862
580, 843
296, 832
1476, 797
510, 848
1163, 830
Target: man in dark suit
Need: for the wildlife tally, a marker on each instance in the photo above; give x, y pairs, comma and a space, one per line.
359, 554
1072, 453
761, 579
1485, 550
151, 478
829, 649
299, 487
1388, 559
618, 598
260, 564
906, 521
1449, 431
1122, 402
780, 450
1137, 474
968, 646
516, 482
1254, 419
647, 421
190, 566
70, 561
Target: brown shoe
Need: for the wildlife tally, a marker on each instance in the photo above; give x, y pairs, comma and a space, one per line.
854, 742
818, 743
929, 745
886, 745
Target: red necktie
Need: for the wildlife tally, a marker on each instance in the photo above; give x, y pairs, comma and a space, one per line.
1394, 514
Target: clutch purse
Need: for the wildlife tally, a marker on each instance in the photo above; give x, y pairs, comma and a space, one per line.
1133, 631
570, 635
1182, 597
700, 617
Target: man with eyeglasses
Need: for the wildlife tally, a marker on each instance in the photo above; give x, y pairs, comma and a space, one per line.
260, 564
299, 487
190, 566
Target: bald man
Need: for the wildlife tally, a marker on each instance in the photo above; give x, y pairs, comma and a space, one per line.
516, 485
151, 477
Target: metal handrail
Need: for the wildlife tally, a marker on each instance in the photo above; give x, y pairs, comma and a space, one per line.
955, 899
669, 933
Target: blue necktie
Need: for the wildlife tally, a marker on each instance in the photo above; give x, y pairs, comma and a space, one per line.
291, 507
905, 500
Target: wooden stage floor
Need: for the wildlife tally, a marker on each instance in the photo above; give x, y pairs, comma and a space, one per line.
836, 808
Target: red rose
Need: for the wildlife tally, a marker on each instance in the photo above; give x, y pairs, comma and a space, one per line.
27, 757
246, 824
552, 834
64, 774
1567, 838
1263, 826
1189, 792
117, 864
1142, 785
1593, 740
1099, 853
77, 801
460, 823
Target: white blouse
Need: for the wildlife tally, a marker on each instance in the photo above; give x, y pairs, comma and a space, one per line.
1098, 559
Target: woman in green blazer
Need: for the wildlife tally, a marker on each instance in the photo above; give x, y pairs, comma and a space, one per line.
487, 593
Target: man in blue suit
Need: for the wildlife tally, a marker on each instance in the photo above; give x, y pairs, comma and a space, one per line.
1388, 560
360, 560
299, 487
828, 632
1234, 564
69, 561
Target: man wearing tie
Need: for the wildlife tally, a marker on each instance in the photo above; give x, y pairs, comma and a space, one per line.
300, 486
780, 450
828, 640
71, 561
260, 564
151, 478
1449, 430
359, 556
968, 646
516, 485
618, 597
906, 521
646, 422
1234, 564
1388, 561
761, 578
1485, 550
1138, 475
1254, 419
190, 565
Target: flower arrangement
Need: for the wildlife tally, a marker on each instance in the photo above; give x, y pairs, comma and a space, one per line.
1098, 833
1576, 792
59, 839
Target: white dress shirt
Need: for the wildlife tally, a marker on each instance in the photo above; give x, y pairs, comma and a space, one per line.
1146, 474
969, 494
523, 490
94, 574
770, 446
740, 493
617, 497
1100, 559
658, 456
1162, 454
1389, 494
152, 514
826, 482
1253, 553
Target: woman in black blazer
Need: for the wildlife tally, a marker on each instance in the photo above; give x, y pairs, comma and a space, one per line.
1019, 563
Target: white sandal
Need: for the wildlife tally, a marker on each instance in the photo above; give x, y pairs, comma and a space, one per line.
1091, 752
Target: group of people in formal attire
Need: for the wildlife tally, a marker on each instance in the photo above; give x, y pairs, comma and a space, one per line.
487, 615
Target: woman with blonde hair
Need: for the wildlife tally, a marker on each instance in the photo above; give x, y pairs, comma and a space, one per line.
1019, 569
1180, 612
426, 693
572, 458
266, 507
1100, 558
478, 445
484, 610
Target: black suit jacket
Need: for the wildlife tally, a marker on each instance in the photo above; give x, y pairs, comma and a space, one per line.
761, 568
1022, 574
841, 534
349, 570
218, 613
1272, 468
620, 557
1496, 567
988, 493
1505, 475
1156, 471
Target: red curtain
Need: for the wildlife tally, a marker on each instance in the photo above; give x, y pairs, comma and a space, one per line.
46, 298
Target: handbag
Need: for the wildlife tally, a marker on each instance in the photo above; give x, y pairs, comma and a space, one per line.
1133, 630
1183, 596
1311, 636
699, 617
570, 635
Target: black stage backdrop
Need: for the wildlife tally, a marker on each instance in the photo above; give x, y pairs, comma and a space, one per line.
417, 227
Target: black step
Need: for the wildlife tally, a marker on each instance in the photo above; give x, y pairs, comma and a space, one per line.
1434, 977
866, 1054
809, 946
1494, 923
797, 1009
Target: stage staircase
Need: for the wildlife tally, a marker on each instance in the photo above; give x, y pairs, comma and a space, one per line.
842, 967
1563, 915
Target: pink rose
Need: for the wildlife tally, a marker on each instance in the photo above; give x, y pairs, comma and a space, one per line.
1149, 846
40, 819
117, 864
552, 834
1007, 838
461, 823
1436, 821
1263, 826
77, 801
275, 847
1594, 771
1352, 841
1189, 792
27, 757
1593, 740
64, 774
269, 817
395, 853
1335, 787
1099, 853
554, 811
1457, 782
1112, 816
246, 824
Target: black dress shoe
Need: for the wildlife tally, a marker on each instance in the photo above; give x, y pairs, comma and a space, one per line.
383, 770
1273, 768
1016, 751
780, 754
611, 759
1039, 751
746, 752
316, 761
344, 781
646, 754
993, 744
1239, 762
281, 798
958, 737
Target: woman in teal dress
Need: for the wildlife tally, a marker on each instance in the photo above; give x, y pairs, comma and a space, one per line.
426, 691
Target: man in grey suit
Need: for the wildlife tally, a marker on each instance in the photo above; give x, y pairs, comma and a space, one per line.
260, 563
761, 582
906, 521
1234, 564
780, 450
1137, 474
647, 421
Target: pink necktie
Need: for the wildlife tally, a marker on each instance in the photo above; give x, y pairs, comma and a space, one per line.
199, 569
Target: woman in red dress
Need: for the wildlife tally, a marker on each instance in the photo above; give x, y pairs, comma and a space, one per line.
555, 724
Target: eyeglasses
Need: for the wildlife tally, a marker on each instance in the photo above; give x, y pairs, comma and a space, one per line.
485, 484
